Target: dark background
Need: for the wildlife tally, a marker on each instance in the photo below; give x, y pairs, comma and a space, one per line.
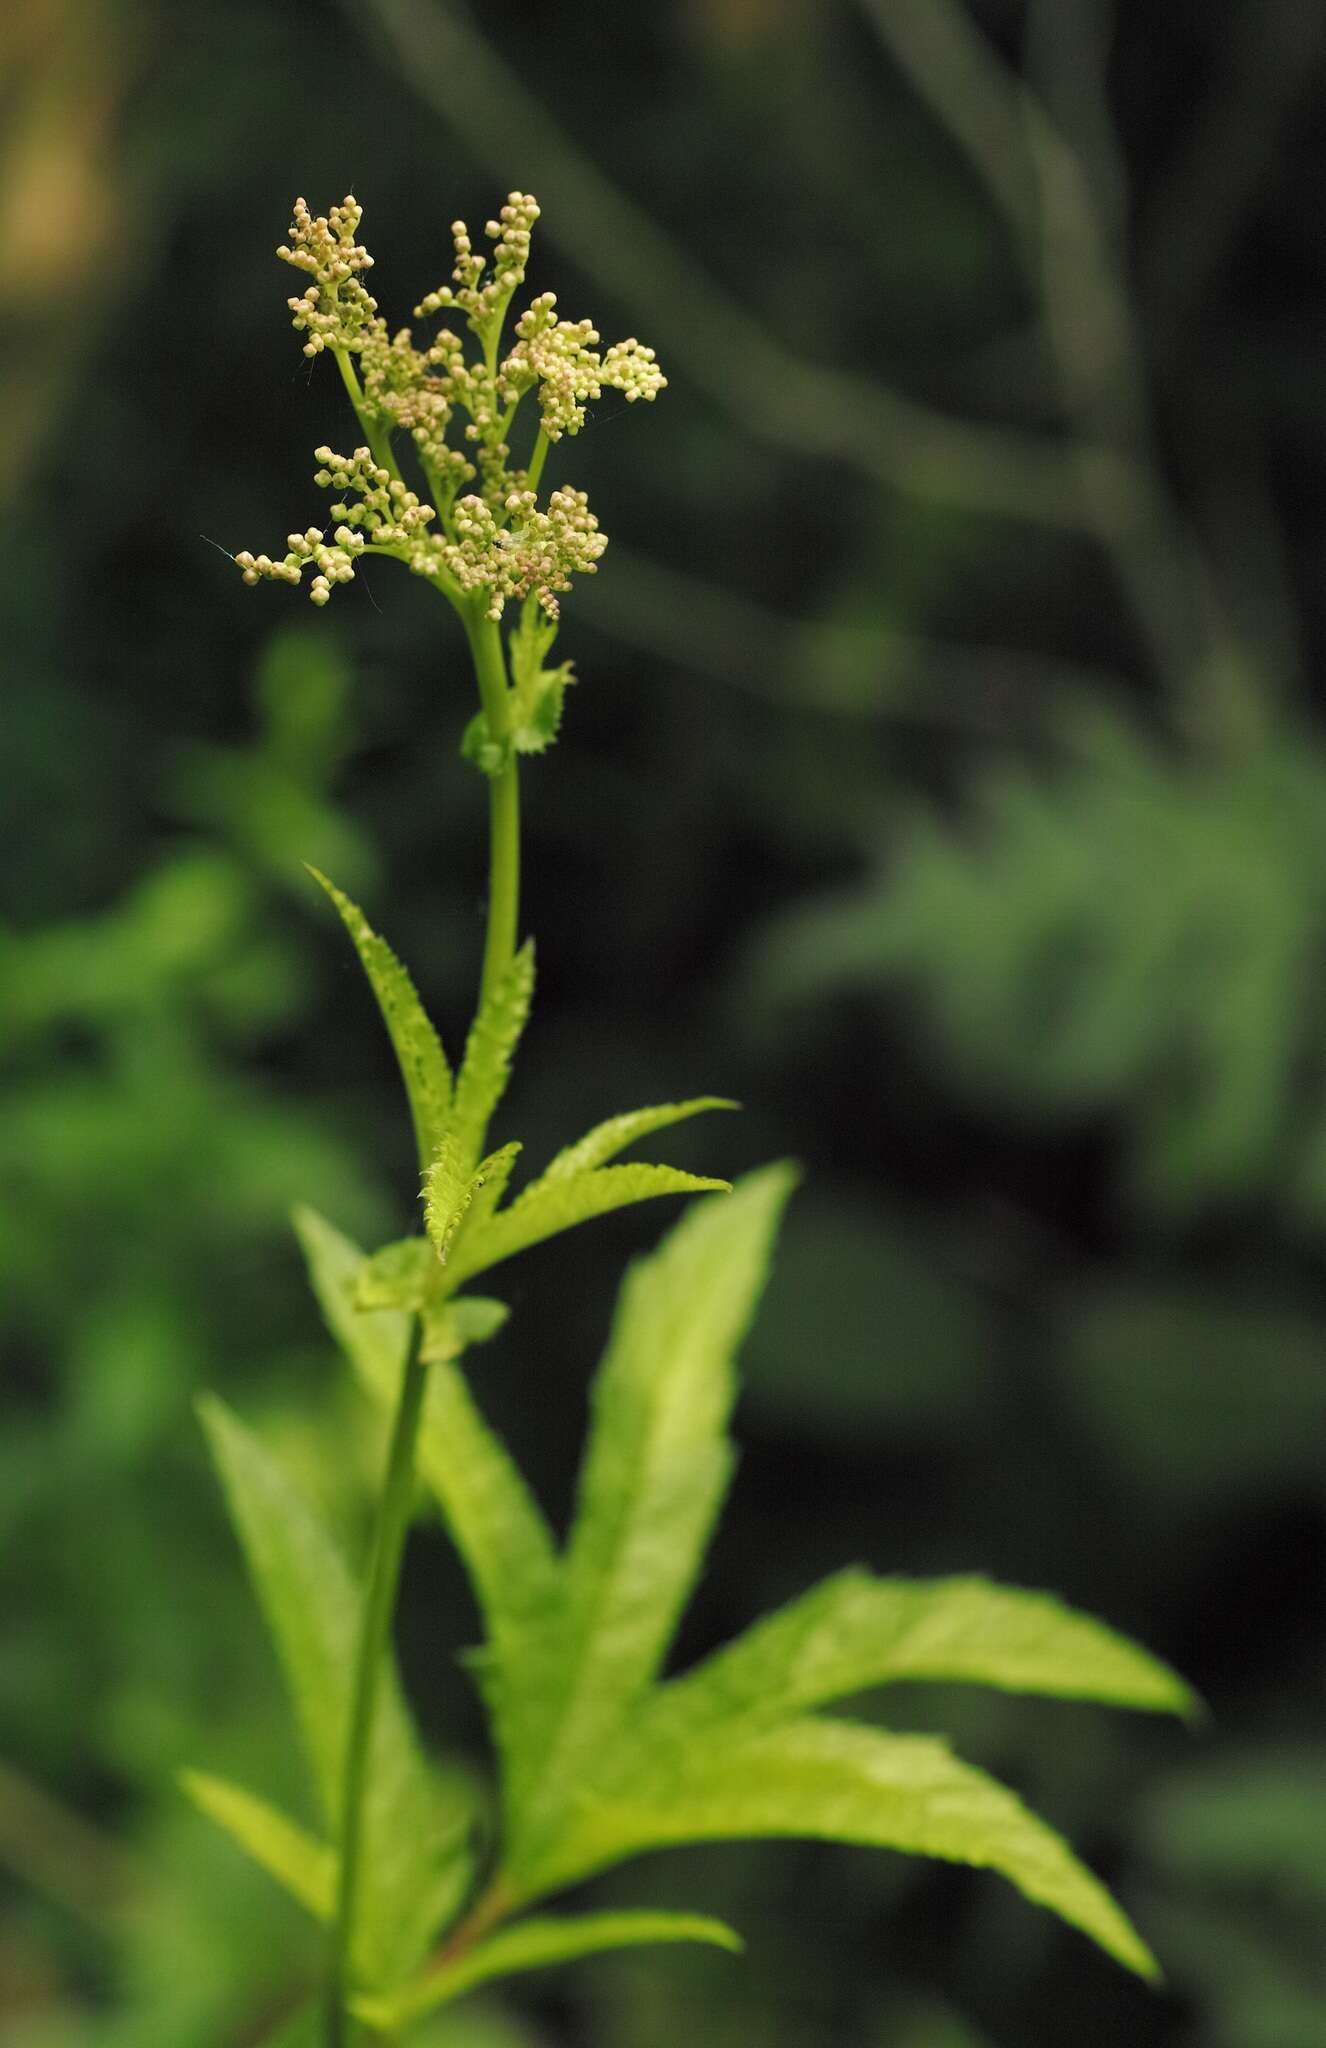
945, 779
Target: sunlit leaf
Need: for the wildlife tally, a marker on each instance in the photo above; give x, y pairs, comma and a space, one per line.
833, 1780
655, 1472
423, 1063
856, 1631
307, 1868
404, 1275
607, 1139
532, 1945
496, 1524
486, 1067
415, 1831
451, 1328
550, 1207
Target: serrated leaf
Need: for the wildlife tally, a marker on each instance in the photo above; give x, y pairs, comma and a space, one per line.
548, 1208
856, 1631
836, 1781
607, 1139
655, 1471
451, 1328
449, 1190
503, 1539
486, 1067
415, 1832
492, 1178
403, 1275
423, 1063
287, 1852
532, 1945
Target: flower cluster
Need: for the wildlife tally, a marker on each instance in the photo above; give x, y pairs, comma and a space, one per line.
492, 544
560, 358
526, 552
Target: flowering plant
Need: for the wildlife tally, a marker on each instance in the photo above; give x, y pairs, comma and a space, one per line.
425, 1893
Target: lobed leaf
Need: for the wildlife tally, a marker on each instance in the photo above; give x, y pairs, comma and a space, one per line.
423, 1063
486, 1067
287, 1852
549, 1207
834, 1780
415, 1832
855, 1631
502, 1537
607, 1139
655, 1471
533, 1944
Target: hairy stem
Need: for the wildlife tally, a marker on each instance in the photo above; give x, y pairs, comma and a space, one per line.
374, 1629
503, 809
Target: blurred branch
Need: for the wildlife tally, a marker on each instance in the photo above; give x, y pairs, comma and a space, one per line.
865, 671
1273, 54
57, 1852
701, 330
1066, 207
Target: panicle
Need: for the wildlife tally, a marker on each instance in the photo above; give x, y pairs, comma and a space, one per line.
480, 533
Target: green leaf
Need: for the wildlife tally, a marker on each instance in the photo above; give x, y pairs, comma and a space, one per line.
448, 1192
502, 1537
537, 691
486, 1067
404, 1275
531, 1945
856, 1631
287, 1852
549, 1207
423, 1063
606, 1140
655, 1471
451, 1327
833, 1780
415, 1831
492, 1178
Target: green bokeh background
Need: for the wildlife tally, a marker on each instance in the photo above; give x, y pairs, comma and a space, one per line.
946, 779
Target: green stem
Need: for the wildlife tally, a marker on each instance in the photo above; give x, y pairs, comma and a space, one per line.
537, 460
503, 808
374, 1629
378, 441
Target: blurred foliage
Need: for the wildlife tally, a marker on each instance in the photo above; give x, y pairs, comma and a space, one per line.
948, 692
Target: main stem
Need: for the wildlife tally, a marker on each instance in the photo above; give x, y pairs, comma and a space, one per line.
374, 1629
394, 1507
503, 808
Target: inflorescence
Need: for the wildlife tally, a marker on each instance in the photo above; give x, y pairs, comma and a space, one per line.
495, 542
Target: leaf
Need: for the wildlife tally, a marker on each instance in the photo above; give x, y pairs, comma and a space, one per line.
307, 1868
451, 1328
448, 1192
502, 1537
537, 691
486, 1067
531, 1945
856, 1631
546, 1209
655, 1471
415, 1833
835, 1781
423, 1063
403, 1275
606, 1140
492, 1178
